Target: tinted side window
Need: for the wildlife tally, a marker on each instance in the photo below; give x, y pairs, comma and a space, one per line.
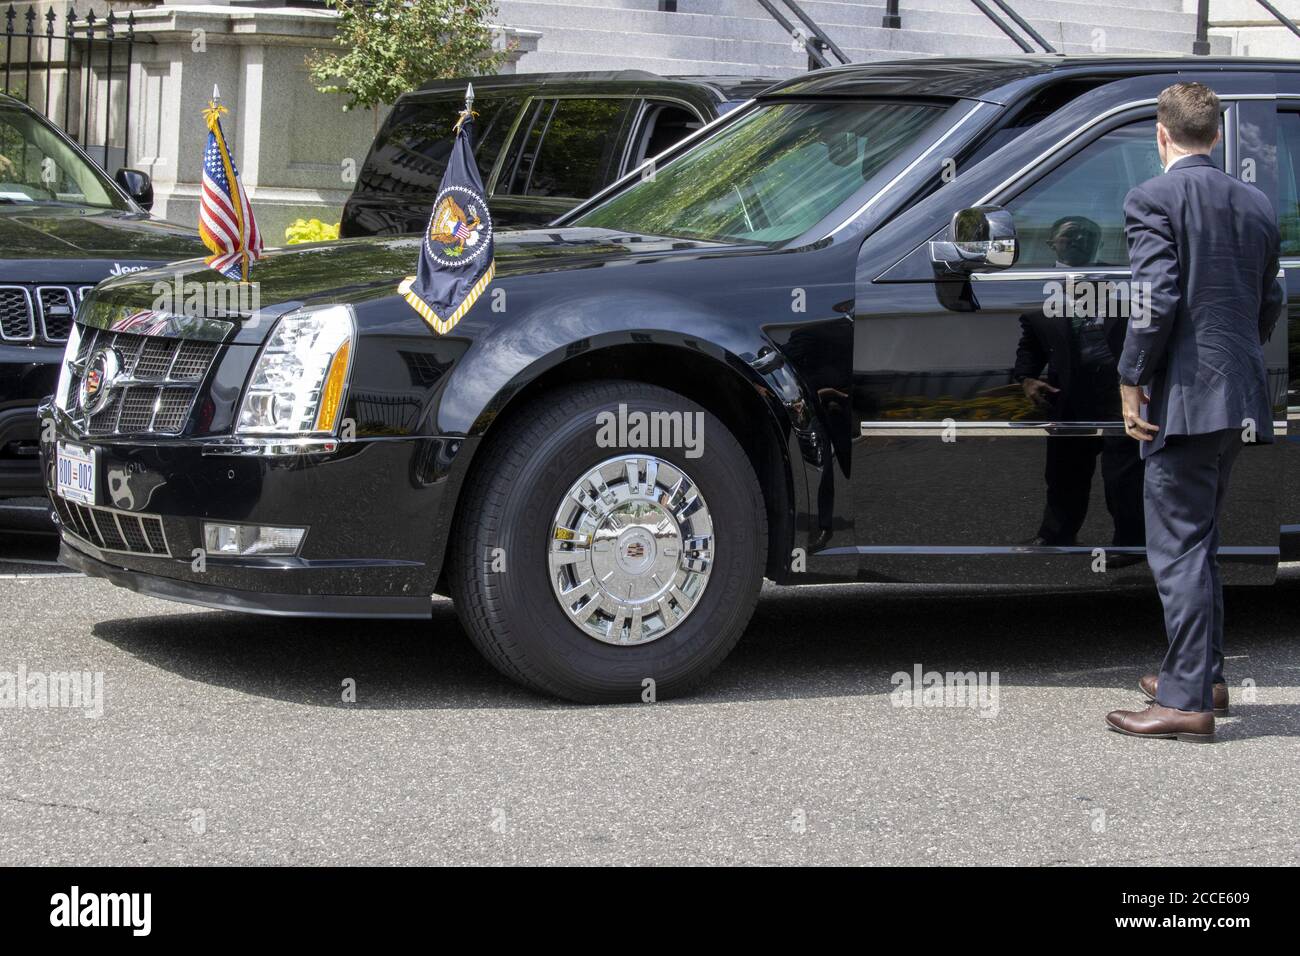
662, 125
1288, 188
1074, 216
410, 154
571, 149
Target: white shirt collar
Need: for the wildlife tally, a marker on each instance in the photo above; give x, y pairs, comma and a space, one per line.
1180, 159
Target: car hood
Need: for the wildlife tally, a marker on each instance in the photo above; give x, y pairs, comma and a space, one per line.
79, 232
353, 271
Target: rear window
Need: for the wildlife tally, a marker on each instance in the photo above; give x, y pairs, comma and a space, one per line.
410, 154
570, 148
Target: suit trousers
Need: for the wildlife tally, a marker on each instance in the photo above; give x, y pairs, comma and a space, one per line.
1185, 485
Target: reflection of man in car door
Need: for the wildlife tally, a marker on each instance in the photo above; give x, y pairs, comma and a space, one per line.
1077, 341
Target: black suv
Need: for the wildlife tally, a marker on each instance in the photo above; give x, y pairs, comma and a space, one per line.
545, 141
802, 350
64, 226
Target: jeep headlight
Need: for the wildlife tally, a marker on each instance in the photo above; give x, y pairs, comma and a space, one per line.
298, 383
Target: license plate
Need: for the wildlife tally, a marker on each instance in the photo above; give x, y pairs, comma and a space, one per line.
75, 473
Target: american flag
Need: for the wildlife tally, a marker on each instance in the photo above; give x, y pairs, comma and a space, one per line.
226, 220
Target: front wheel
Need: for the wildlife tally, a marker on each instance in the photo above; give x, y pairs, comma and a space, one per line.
610, 545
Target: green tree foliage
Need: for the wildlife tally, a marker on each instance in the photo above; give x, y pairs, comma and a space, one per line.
393, 46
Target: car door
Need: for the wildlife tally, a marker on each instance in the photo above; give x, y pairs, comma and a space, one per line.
565, 149
1287, 202
991, 446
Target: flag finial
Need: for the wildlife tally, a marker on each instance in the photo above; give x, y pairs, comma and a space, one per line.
212, 115
468, 111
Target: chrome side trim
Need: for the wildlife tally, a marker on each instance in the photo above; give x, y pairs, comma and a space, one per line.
246, 447
887, 429
969, 429
1046, 275
907, 169
998, 550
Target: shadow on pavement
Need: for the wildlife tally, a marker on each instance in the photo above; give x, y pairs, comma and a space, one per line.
842, 641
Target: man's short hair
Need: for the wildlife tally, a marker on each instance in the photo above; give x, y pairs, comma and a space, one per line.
1190, 112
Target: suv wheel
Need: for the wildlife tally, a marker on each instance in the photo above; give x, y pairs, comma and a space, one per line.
588, 569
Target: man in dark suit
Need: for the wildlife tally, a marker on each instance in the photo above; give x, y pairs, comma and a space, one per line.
1204, 252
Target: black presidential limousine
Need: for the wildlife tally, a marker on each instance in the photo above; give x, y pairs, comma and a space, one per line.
861, 328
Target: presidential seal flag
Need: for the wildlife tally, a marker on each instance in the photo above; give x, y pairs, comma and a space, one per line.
456, 263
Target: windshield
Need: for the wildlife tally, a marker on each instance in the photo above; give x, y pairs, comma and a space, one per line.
38, 166
769, 176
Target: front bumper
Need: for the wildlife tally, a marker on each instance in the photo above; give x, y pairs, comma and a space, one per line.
374, 511
89, 560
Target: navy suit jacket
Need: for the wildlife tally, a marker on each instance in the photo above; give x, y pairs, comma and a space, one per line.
1205, 245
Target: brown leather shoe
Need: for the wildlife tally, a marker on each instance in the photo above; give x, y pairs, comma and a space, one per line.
1163, 722
1149, 683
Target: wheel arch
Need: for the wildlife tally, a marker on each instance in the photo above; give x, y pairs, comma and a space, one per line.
717, 380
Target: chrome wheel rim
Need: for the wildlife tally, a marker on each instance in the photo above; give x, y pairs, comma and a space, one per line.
630, 549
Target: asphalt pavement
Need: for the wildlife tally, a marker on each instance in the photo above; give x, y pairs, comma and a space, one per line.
231, 739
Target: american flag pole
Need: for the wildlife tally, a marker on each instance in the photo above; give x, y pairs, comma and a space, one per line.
226, 221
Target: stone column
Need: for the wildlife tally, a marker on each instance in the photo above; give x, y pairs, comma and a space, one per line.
297, 150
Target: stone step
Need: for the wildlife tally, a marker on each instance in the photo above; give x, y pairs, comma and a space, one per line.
953, 37
740, 35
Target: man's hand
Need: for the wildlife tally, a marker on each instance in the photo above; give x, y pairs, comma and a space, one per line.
1038, 391
1132, 398
6, 166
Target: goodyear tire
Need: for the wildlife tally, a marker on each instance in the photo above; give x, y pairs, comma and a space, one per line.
610, 545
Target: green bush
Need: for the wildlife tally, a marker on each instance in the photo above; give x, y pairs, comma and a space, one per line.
310, 230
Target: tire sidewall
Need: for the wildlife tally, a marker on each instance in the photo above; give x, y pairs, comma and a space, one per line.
558, 650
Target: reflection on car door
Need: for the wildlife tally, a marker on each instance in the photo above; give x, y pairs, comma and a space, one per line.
991, 425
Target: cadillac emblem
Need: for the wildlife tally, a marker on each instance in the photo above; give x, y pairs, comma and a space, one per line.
96, 384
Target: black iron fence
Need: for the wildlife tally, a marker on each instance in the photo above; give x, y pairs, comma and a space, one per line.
78, 73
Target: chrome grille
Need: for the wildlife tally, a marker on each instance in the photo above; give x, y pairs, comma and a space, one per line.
173, 406
160, 381
154, 359
16, 314
56, 307
137, 409
112, 530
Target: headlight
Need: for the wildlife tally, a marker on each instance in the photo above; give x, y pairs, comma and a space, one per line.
298, 382
61, 397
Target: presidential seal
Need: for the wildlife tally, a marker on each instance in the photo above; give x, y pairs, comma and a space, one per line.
459, 228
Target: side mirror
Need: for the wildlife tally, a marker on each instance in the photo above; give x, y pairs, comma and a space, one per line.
983, 238
137, 185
